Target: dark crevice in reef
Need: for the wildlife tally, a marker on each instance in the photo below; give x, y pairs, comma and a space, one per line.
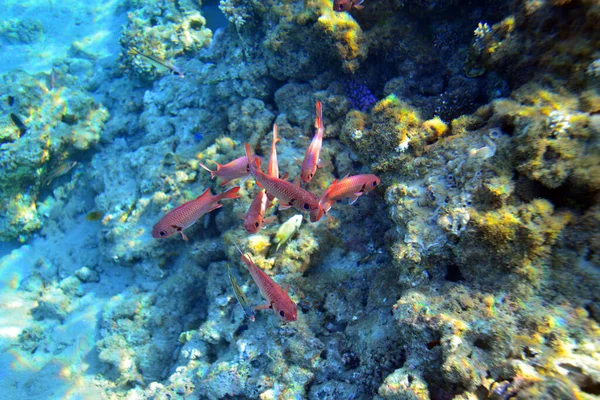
565, 196
453, 273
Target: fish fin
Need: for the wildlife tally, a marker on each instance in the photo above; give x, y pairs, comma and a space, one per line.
216, 164
214, 207
275, 138
286, 288
205, 193
319, 215
269, 220
263, 307
241, 216
284, 177
319, 109
225, 182
259, 184
249, 155
354, 197
298, 161
359, 6
180, 230
284, 206
345, 176
230, 193
212, 173
297, 182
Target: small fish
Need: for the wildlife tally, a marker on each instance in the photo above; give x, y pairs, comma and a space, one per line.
311, 158
256, 212
94, 216
289, 194
158, 63
188, 213
59, 171
351, 187
287, 230
241, 297
273, 167
53, 78
277, 298
235, 169
347, 5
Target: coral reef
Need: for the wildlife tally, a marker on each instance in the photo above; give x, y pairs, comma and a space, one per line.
165, 30
471, 272
42, 128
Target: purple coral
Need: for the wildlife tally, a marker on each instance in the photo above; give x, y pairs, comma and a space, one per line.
360, 96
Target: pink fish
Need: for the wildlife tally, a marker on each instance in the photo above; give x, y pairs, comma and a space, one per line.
347, 5
256, 212
289, 194
311, 158
277, 298
273, 167
351, 187
235, 169
186, 214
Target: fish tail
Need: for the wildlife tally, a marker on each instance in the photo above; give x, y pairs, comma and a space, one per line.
230, 193
319, 119
252, 159
275, 138
249, 155
216, 164
212, 173
246, 260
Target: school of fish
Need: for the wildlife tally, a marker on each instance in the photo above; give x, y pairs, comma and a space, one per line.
272, 186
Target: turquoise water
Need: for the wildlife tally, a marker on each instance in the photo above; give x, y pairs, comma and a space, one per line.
439, 241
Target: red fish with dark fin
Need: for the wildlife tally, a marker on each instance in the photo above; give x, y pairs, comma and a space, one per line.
311, 158
347, 5
273, 167
351, 187
256, 212
235, 169
289, 194
184, 216
277, 298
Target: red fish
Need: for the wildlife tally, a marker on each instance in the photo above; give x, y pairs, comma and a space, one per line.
311, 158
347, 5
237, 168
273, 167
256, 212
351, 187
186, 214
278, 299
289, 194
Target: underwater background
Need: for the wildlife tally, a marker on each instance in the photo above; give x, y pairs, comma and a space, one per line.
472, 271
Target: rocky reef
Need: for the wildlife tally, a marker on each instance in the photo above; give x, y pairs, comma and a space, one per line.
472, 272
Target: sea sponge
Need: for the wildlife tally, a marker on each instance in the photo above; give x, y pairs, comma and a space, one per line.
389, 130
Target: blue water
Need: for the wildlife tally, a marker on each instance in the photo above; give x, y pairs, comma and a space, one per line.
458, 260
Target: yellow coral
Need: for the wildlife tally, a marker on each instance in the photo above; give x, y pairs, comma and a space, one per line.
435, 128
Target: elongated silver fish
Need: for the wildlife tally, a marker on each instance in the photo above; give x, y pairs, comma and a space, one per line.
241, 297
158, 62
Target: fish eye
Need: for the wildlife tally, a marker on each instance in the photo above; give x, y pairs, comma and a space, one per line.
256, 224
374, 183
311, 175
282, 314
162, 233
306, 206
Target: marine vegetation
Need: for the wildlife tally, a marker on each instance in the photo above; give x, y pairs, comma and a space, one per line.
301, 200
